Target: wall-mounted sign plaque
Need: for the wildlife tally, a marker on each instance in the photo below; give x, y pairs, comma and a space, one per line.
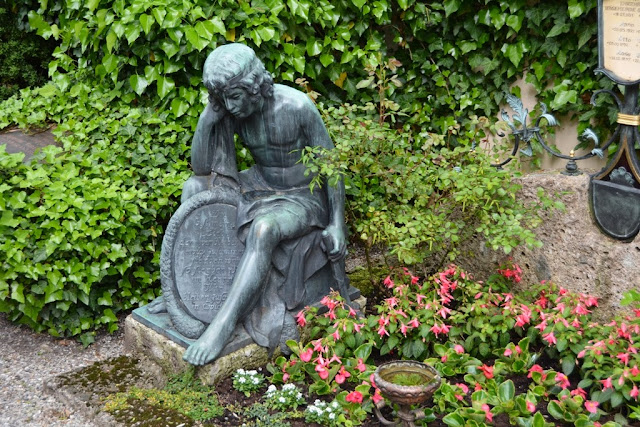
619, 40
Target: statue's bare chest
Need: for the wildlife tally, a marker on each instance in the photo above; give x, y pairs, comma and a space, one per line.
271, 142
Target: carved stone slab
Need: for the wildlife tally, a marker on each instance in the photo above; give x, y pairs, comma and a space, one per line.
200, 252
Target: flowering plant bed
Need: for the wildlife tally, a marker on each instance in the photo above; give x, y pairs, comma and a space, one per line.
535, 358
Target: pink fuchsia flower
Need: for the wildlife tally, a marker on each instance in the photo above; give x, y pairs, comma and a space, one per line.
329, 303
581, 354
531, 407
403, 329
624, 357
352, 312
487, 371
444, 312
635, 371
550, 338
361, 366
300, 319
358, 326
336, 335
621, 381
306, 355
388, 282
487, 412
591, 406
382, 331
414, 280
634, 392
354, 397
414, 323
458, 348
581, 309
606, 383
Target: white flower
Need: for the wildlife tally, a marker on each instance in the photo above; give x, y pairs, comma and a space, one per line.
240, 371
335, 405
281, 399
332, 416
242, 380
271, 389
252, 372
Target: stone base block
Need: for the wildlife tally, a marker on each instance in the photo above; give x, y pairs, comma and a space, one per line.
156, 348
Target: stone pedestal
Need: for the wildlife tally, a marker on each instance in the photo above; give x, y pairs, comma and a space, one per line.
147, 343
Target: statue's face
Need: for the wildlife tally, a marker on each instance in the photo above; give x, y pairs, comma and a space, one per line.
240, 103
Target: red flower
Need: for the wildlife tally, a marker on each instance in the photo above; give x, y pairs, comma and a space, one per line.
634, 392
606, 383
342, 375
591, 406
305, 356
361, 366
388, 282
531, 407
300, 319
487, 412
458, 348
550, 338
487, 371
354, 397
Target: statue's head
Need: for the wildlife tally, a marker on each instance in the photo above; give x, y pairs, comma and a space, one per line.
235, 66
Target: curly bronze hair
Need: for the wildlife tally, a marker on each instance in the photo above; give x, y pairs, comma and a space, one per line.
236, 65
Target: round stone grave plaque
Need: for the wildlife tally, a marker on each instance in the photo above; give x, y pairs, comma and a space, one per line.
200, 253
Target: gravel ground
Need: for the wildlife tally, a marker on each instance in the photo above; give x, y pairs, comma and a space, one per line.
28, 359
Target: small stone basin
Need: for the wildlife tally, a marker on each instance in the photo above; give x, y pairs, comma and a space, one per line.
406, 382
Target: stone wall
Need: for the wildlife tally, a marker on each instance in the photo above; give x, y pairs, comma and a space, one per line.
575, 254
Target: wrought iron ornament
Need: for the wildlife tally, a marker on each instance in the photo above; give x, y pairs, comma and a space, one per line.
614, 192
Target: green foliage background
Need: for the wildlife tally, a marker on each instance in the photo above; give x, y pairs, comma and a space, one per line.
79, 231
24, 56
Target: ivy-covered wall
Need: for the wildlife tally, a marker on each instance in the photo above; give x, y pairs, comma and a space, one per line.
458, 56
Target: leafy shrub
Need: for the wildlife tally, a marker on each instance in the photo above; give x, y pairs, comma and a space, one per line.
417, 194
24, 56
81, 225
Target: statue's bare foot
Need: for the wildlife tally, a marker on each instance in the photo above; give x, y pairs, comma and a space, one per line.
202, 351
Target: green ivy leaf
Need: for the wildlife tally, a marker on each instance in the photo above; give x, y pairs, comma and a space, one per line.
576, 8
146, 21
179, 106
314, 47
132, 32
218, 25
451, 6
159, 14
165, 86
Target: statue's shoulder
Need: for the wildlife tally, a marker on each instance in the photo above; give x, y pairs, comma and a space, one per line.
290, 100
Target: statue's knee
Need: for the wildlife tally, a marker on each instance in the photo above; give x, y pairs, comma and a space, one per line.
193, 186
264, 231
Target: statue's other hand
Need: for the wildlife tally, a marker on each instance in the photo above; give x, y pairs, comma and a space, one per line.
335, 242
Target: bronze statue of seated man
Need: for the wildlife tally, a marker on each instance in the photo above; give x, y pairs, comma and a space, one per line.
276, 207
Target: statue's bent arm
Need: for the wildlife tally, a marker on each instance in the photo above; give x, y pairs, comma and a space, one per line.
317, 134
202, 146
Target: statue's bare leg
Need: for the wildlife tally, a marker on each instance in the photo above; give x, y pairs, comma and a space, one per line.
251, 273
